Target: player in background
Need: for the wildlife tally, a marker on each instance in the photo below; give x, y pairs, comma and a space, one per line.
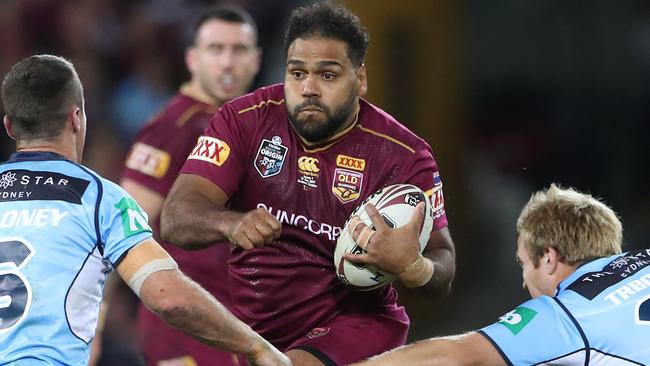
64, 228
590, 306
276, 175
223, 58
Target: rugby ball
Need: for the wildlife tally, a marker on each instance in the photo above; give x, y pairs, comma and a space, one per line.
396, 204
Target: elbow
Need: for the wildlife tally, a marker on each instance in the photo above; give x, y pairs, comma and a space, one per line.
169, 229
172, 309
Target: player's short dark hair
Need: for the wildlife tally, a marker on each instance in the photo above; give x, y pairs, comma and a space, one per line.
37, 94
328, 19
225, 12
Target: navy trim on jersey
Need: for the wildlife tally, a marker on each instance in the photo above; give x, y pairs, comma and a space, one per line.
65, 307
318, 354
35, 156
578, 327
495, 345
100, 193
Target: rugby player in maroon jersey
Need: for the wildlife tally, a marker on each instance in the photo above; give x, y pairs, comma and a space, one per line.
276, 175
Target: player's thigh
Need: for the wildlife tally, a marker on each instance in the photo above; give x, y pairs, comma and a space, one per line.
353, 336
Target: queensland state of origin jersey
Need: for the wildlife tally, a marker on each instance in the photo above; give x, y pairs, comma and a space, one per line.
62, 229
600, 315
253, 154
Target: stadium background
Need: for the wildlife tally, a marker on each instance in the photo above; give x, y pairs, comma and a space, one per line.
512, 95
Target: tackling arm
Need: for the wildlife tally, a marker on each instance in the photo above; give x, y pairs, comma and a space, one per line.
185, 305
471, 349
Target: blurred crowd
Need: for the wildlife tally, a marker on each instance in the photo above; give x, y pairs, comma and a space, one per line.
129, 55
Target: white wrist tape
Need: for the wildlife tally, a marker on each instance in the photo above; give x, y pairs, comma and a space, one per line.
149, 268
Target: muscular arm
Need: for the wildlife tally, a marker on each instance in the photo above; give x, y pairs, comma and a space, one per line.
471, 349
194, 217
150, 201
185, 305
440, 250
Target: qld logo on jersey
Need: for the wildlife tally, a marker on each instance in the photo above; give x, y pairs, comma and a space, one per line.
347, 184
270, 157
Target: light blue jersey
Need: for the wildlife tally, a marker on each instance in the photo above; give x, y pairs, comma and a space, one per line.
62, 230
600, 315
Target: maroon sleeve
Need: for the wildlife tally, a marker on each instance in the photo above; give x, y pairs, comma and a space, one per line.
160, 151
220, 153
423, 172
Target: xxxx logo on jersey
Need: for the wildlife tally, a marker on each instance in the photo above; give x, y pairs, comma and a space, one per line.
148, 160
345, 161
308, 169
347, 184
210, 149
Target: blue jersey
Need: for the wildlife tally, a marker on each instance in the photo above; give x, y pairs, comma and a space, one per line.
62, 229
600, 315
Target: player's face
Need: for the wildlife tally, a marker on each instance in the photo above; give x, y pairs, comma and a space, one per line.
322, 87
534, 279
224, 59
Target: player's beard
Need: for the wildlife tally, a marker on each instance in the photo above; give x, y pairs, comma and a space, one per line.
315, 131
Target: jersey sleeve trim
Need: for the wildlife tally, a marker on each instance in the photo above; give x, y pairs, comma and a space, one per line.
389, 138
578, 327
260, 105
100, 193
496, 346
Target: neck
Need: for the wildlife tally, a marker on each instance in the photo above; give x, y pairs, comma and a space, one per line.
194, 90
67, 151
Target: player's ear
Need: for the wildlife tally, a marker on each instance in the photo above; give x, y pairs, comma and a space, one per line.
190, 59
550, 260
74, 116
9, 127
362, 77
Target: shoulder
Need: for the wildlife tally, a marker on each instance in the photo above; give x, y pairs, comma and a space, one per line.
182, 112
265, 100
378, 123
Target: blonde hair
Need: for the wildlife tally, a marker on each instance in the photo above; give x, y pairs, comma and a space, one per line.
577, 225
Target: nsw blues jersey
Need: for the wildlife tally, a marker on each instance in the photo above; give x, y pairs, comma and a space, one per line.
62, 230
600, 315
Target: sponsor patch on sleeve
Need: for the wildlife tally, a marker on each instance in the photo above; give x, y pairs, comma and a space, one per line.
517, 319
210, 149
148, 160
436, 196
134, 219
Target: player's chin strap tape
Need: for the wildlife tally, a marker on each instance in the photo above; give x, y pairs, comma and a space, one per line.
417, 273
147, 270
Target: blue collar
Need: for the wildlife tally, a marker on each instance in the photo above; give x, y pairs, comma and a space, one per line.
35, 155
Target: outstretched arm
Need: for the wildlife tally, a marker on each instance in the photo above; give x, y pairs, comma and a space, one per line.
182, 303
471, 349
194, 216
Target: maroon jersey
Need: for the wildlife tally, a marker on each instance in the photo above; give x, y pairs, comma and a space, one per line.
159, 152
251, 151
